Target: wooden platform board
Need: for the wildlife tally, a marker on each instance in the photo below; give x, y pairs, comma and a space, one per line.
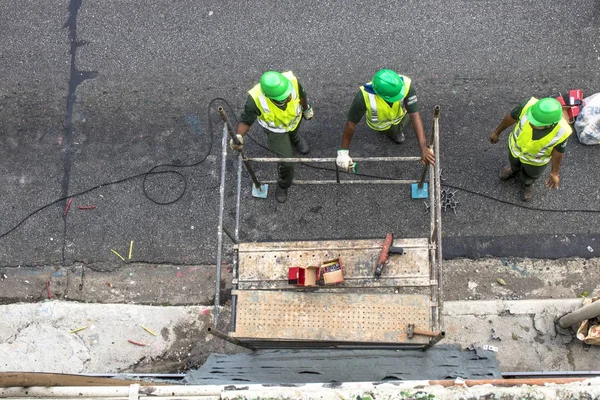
292, 315
265, 265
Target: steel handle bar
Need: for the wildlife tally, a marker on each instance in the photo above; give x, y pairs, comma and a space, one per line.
329, 159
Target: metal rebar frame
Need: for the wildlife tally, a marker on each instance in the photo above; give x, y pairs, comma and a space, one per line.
435, 238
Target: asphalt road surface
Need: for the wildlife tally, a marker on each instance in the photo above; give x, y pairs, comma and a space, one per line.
95, 92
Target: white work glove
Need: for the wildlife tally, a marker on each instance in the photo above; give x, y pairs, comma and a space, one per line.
308, 113
344, 161
237, 147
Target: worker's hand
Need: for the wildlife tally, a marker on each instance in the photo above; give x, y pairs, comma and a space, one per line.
427, 156
237, 147
344, 161
308, 113
553, 181
494, 137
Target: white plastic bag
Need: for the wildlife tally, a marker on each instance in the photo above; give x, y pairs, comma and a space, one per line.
587, 124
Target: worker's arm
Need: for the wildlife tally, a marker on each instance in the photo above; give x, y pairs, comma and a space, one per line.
307, 110
251, 112
427, 156
347, 135
554, 178
343, 159
506, 122
304, 103
242, 129
355, 114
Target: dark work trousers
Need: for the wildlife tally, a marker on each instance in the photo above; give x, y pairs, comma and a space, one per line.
281, 144
527, 173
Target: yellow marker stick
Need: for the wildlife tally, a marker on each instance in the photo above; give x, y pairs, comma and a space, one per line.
130, 249
117, 254
148, 330
78, 329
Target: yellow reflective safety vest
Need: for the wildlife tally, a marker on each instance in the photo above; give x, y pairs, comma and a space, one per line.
535, 152
274, 118
380, 116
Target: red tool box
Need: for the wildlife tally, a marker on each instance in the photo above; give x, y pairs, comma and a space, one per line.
303, 276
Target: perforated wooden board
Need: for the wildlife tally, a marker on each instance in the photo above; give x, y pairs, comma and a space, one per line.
263, 265
330, 316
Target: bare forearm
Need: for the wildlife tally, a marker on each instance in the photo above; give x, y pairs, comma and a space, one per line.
304, 103
417, 124
347, 135
557, 158
242, 129
506, 122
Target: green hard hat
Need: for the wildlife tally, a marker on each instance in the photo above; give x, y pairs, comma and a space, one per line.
388, 85
275, 86
545, 112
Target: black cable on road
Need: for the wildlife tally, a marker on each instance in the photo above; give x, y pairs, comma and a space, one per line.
144, 175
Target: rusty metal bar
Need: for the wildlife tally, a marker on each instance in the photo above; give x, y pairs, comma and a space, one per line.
422, 332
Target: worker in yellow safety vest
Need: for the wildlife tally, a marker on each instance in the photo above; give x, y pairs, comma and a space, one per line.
386, 101
279, 103
540, 136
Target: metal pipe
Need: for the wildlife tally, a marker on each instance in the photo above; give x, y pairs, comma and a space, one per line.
436, 113
351, 182
435, 339
575, 317
438, 217
238, 198
329, 160
432, 252
228, 338
422, 332
220, 227
236, 233
333, 248
233, 137
228, 124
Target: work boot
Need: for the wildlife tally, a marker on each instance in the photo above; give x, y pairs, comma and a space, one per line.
301, 145
527, 194
280, 194
506, 173
398, 137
